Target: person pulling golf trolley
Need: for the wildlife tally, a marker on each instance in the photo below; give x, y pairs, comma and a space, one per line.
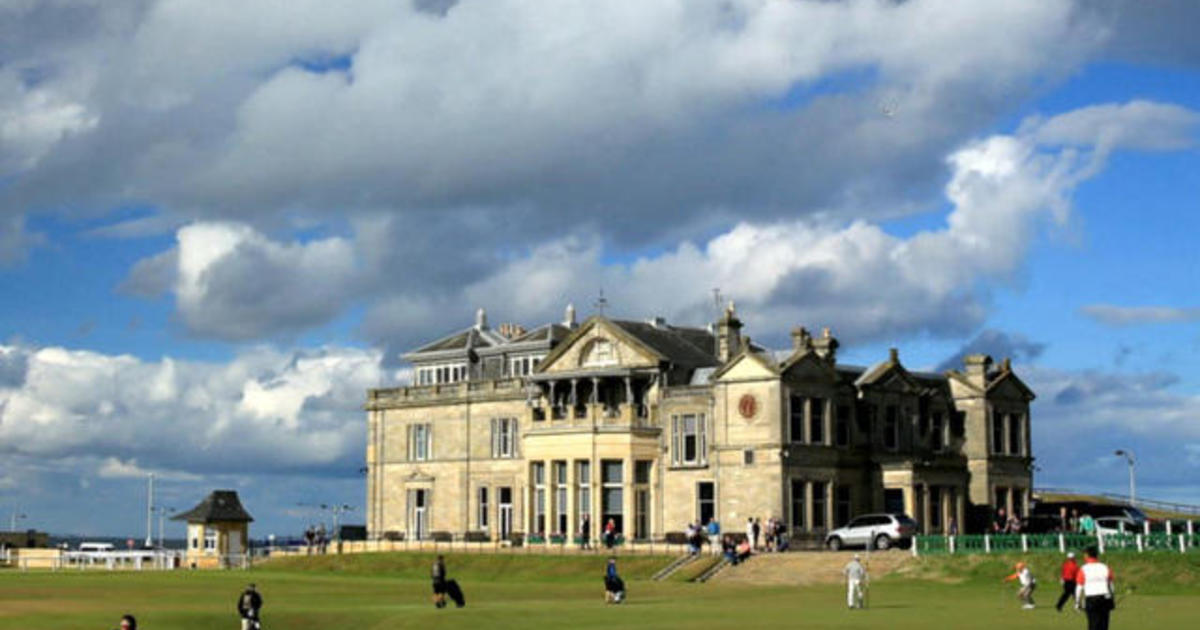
614, 586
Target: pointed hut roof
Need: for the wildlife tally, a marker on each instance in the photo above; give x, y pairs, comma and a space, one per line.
220, 505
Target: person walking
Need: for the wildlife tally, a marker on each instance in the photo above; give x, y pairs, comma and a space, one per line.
1025, 577
1087, 525
756, 528
856, 582
714, 535
438, 574
750, 531
610, 533
248, 606
614, 587
585, 532
1069, 569
1094, 588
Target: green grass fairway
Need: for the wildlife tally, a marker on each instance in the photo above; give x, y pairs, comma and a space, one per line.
391, 591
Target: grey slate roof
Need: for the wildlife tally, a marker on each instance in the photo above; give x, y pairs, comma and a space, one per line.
470, 338
220, 505
685, 347
553, 333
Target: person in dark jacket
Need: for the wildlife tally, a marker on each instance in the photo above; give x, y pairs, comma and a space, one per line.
438, 575
127, 623
585, 533
614, 586
248, 606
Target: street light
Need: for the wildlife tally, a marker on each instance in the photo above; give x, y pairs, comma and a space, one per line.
15, 517
1129, 459
337, 510
162, 512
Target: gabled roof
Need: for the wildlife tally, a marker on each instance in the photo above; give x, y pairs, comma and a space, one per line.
1007, 376
994, 379
876, 373
220, 505
765, 359
685, 347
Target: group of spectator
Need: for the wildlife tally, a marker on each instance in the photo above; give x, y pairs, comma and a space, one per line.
316, 540
1074, 522
735, 551
1006, 523
773, 535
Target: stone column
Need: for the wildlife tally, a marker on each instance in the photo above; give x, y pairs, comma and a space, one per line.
627, 490
829, 423
960, 508
574, 399
628, 392
572, 491
829, 505
1009, 500
553, 403
808, 504
926, 508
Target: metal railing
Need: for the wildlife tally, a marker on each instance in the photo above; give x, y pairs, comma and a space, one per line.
1164, 506
1182, 542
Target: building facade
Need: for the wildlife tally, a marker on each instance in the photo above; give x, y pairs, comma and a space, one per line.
653, 426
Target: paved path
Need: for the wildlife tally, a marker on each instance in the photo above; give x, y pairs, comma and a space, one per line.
809, 567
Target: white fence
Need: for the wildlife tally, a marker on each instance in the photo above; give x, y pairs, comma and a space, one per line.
138, 560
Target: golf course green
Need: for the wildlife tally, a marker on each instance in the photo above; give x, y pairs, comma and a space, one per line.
392, 591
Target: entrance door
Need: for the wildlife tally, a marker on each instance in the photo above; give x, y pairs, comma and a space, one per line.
506, 512
706, 505
418, 525
893, 501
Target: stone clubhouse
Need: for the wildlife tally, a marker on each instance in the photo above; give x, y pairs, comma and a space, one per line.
513, 432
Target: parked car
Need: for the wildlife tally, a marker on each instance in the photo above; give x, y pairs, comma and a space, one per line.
1102, 510
96, 547
1097, 510
1106, 525
882, 531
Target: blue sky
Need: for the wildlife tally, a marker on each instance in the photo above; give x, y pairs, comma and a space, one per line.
223, 246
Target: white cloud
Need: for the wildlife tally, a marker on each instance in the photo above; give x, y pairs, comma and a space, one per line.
115, 468
232, 282
263, 411
1115, 315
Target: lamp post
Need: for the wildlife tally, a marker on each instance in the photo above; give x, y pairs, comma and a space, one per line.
1129, 459
13, 522
162, 512
150, 511
337, 511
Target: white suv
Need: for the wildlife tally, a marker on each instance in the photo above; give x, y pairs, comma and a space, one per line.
879, 530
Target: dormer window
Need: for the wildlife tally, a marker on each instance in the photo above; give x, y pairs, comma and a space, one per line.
441, 374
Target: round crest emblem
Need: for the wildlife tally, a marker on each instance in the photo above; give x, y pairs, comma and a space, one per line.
748, 406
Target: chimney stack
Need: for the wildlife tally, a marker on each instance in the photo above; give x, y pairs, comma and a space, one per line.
729, 334
481, 319
569, 317
826, 346
801, 340
977, 366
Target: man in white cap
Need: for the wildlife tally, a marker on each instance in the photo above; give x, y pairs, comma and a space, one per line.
856, 581
1069, 569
